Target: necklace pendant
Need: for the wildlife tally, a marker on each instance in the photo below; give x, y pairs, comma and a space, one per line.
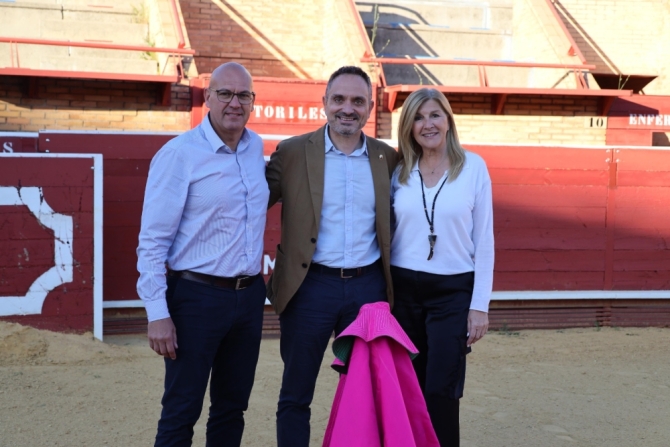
431, 240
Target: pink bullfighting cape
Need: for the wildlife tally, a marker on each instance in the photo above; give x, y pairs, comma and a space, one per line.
378, 402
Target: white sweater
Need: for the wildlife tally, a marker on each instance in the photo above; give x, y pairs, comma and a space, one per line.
463, 224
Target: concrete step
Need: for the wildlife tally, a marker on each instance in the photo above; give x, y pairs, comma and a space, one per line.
496, 30
79, 31
124, 22
30, 51
102, 5
427, 41
431, 75
94, 15
120, 6
53, 58
32, 3
461, 75
109, 65
42, 17
452, 14
26, 22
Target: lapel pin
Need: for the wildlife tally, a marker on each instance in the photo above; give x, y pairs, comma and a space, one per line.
381, 156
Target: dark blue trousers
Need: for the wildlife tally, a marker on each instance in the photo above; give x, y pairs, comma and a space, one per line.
218, 332
322, 305
433, 311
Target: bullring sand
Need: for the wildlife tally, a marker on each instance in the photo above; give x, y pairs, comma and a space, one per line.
576, 387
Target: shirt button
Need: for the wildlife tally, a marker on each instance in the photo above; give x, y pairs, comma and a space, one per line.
304, 265
313, 241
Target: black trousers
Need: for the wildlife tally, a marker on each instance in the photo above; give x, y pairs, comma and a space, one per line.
218, 332
433, 310
322, 305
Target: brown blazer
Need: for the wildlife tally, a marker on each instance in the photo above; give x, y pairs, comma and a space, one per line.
295, 174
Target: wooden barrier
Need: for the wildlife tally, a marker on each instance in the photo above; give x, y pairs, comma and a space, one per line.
50, 261
586, 222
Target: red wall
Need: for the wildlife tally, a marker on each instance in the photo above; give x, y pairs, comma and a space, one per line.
282, 106
565, 218
580, 219
634, 120
126, 159
11, 143
27, 246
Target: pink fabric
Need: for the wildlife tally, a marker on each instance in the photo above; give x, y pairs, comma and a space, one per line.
378, 402
375, 320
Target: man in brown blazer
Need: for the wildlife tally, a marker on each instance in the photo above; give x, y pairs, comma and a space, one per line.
334, 255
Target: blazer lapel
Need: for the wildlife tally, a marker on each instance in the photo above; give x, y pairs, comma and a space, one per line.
315, 155
382, 184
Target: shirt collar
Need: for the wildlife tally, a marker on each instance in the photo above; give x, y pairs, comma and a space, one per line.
216, 143
363, 150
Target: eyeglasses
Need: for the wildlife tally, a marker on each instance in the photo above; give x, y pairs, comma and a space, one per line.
227, 96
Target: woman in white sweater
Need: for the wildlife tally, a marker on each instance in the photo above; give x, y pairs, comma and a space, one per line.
441, 253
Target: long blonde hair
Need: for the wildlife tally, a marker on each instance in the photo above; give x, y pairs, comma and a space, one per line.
410, 151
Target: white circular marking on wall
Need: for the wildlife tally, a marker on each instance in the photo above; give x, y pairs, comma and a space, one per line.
31, 303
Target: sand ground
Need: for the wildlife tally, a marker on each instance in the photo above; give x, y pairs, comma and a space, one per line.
578, 387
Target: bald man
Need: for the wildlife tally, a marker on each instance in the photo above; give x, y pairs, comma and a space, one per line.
204, 217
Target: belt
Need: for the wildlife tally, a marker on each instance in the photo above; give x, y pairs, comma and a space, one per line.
236, 283
343, 273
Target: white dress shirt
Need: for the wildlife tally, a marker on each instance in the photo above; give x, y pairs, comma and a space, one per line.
204, 211
463, 224
347, 236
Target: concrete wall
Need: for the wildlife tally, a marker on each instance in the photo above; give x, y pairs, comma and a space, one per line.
539, 38
623, 36
37, 103
124, 22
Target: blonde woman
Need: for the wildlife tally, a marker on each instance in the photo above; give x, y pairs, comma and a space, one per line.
441, 252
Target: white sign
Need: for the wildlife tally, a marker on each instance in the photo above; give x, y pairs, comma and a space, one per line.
649, 120
275, 112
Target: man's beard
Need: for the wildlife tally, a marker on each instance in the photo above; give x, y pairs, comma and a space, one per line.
347, 130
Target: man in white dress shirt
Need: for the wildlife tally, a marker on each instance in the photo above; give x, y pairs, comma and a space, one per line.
203, 218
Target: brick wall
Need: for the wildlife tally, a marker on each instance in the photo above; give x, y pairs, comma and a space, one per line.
533, 129
304, 39
70, 104
526, 120
385, 128
623, 36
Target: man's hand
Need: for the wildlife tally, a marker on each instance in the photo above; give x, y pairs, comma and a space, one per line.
163, 337
478, 324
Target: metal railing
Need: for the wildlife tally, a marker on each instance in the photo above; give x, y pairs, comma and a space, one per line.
574, 49
481, 66
177, 24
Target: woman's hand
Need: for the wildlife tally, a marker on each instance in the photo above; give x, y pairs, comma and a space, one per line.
478, 325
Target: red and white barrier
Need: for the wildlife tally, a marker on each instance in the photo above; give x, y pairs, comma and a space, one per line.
51, 238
